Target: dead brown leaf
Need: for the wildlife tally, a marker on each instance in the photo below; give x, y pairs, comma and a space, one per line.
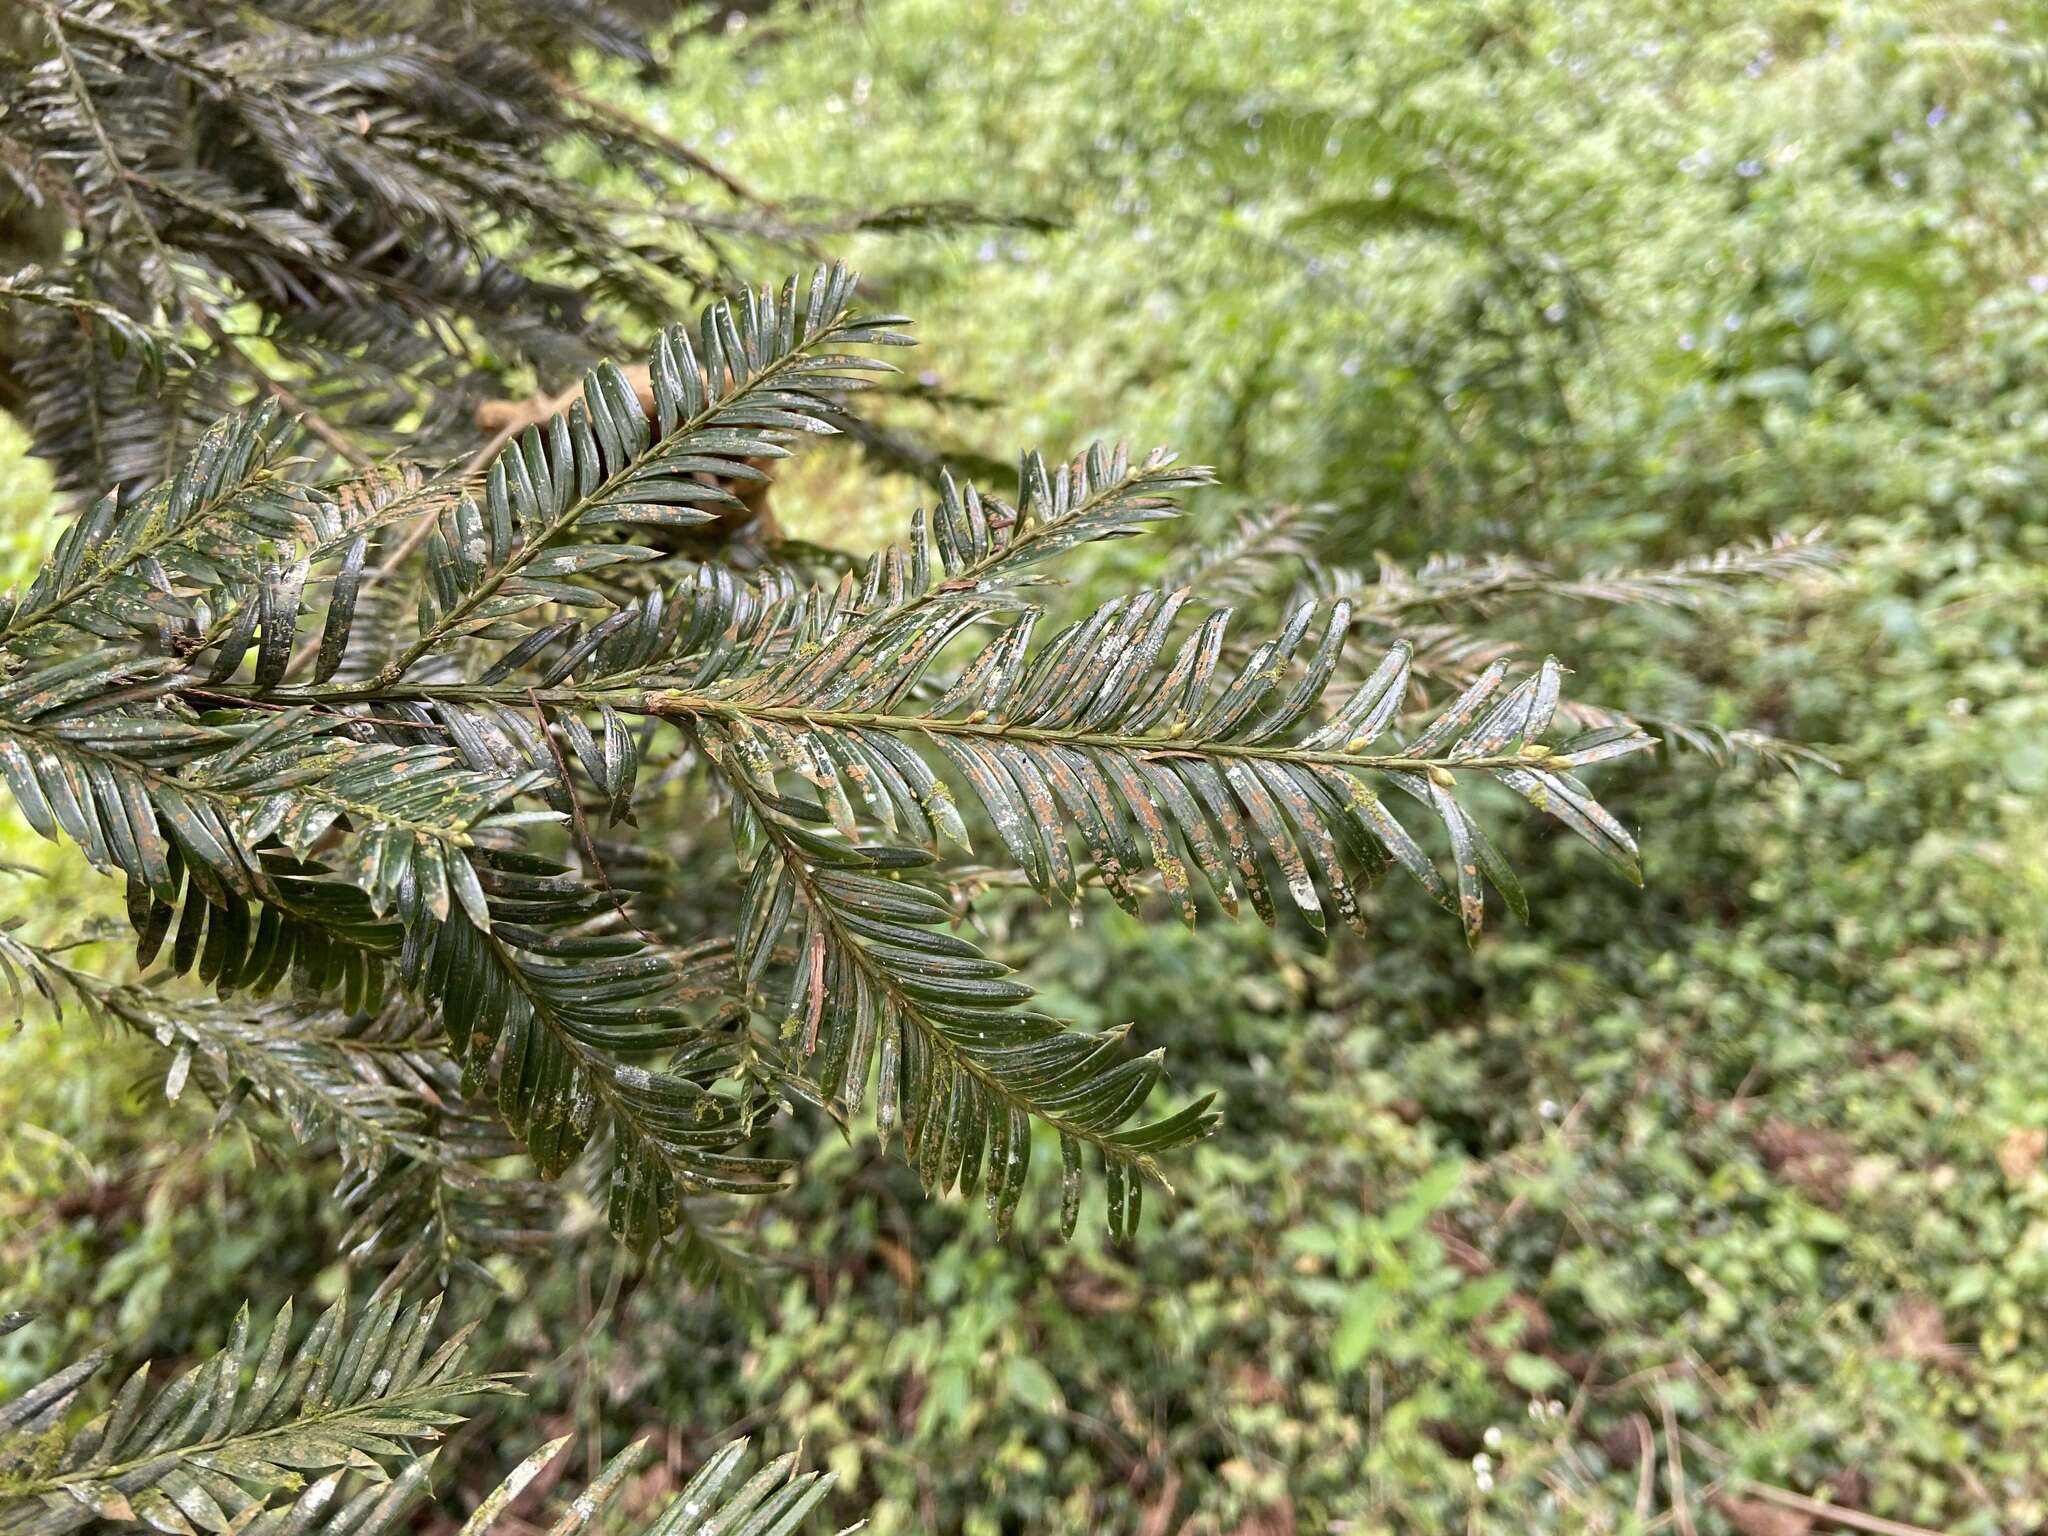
1813, 1160
1753, 1517
1269, 1520
1915, 1331
897, 1257
1258, 1386
1159, 1514
2020, 1153
1092, 1294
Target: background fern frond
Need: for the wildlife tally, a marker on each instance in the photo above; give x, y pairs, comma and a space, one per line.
1446, 581
377, 187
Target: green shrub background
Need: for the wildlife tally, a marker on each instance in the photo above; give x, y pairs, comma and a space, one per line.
1758, 1154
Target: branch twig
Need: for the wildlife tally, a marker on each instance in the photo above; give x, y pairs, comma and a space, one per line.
1855, 1519
315, 423
1675, 1461
1646, 1465
653, 137
413, 539
669, 145
547, 734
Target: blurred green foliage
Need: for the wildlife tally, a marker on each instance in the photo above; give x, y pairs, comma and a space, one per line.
1751, 1166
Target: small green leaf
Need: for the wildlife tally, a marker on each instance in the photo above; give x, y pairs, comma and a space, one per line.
1032, 1384
1358, 1330
1422, 1201
1534, 1374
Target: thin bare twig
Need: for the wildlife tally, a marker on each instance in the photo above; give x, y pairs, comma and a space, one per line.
314, 422
418, 536
669, 145
582, 826
1646, 1465
1840, 1514
1680, 1513
653, 137
413, 539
